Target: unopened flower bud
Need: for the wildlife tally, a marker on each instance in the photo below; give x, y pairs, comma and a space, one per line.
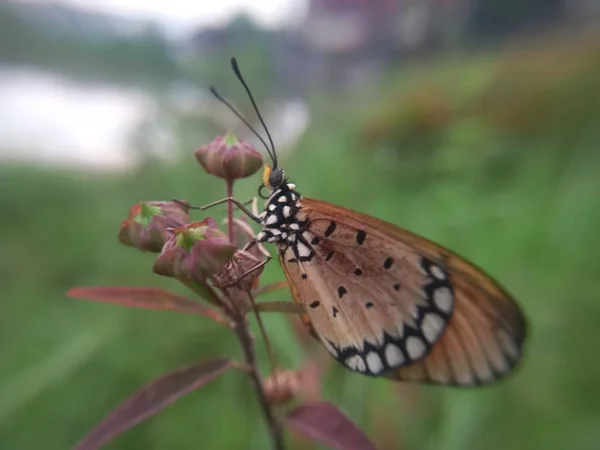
149, 223
229, 158
194, 252
282, 386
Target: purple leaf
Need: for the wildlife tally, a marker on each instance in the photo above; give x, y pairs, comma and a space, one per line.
324, 423
146, 297
151, 399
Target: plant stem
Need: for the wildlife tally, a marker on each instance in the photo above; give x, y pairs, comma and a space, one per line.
230, 211
247, 341
263, 333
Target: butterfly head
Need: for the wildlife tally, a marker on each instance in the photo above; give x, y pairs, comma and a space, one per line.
273, 178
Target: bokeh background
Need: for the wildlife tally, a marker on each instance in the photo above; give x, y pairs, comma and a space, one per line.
475, 123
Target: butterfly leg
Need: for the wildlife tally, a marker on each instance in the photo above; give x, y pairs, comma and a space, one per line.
248, 272
237, 203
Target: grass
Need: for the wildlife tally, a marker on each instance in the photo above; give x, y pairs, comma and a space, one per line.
530, 220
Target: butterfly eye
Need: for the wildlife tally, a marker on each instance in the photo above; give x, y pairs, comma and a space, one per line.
276, 178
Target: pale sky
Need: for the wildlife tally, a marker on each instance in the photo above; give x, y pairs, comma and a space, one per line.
189, 13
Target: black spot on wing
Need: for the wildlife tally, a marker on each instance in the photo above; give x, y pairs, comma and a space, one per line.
330, 229
360, 237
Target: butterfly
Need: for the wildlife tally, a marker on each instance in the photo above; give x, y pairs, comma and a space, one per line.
382, 300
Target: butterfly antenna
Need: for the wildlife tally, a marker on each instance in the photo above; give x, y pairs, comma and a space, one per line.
238, 73
213, 90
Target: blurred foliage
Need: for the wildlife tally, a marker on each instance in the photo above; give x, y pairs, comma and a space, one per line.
485, 109
493, 156
491, 18
144, 58
250, 44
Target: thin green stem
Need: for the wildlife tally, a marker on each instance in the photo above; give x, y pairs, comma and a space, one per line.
230, 211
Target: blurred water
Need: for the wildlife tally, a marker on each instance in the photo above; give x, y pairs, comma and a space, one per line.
50, 119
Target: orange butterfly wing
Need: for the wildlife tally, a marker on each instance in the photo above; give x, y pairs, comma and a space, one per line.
480, 339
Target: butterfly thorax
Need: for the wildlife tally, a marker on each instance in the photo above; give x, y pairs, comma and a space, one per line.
280, 221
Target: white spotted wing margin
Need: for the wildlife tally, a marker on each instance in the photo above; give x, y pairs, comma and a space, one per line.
387, 302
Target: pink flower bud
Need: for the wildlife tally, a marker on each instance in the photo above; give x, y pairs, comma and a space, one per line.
194, 252
282, 386
149, 224
229, 158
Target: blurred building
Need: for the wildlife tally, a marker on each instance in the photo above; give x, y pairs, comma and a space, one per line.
344, 43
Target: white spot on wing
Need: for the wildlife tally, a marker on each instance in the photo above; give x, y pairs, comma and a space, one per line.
272, 207
282, 199
496, 357
356, 363
465, 378
377, 341
485, 373
330, 348
292, 186
275, 232
432, 326
415, 347
294, 226
303, 250
393, 355
287, 211
415, 312
443, 299
260, 236
271, 220
400, 329
508, 344
374, 363
437, 272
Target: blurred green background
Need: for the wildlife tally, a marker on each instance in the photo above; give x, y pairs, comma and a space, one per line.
473, 123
